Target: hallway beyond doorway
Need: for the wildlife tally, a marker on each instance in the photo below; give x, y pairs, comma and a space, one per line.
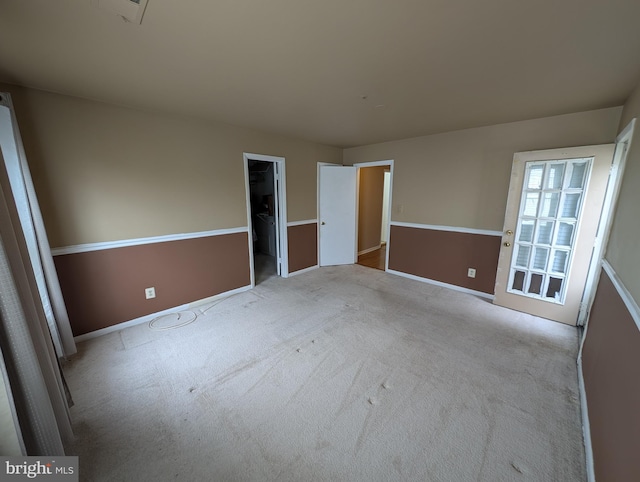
374, 259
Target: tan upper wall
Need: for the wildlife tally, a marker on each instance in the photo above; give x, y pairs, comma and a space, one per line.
461, 178
622, 250
104, 172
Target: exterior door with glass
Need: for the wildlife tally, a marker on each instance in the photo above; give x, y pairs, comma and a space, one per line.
553, 210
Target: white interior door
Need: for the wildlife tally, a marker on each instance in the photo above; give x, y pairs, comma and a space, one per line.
553, 210
338, 201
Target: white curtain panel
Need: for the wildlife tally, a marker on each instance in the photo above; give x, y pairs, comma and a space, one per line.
33, 228
32, 369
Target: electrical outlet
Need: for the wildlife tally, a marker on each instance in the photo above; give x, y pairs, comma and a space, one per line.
150, 293
471, 272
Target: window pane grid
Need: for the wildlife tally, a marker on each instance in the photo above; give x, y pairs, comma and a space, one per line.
538, 283
552, 199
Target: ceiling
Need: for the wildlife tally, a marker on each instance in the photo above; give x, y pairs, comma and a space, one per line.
338, 72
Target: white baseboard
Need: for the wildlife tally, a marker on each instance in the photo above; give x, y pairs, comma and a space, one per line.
226, 294
586, 428
149, 317
304, 270
369, 250
443, 285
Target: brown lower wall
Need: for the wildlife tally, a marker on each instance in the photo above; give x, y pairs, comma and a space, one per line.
106, 287
445, 256
611, 371
303, 246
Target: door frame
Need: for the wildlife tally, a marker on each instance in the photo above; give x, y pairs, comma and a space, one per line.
358, 166
623, 144
281, 200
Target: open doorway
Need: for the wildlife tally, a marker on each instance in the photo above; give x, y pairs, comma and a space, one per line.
350, 222
266, 214
374, 196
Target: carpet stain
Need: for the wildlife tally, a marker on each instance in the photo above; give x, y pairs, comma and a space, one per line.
311, 378
445, 414
236, 370
397, 464
517, 468
323, 444
364, 433
489, 416
277, 361
572, 397
206, 401
349, 398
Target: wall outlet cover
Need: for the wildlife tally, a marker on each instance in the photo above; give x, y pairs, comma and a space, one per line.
471, 272
150, 293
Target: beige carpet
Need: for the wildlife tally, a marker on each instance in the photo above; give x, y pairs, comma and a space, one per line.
343, 373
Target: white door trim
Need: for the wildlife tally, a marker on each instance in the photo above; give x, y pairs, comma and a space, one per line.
623, 144
358, 166
282, 210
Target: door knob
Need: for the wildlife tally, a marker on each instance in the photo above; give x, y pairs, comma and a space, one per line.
509, 232
507, 244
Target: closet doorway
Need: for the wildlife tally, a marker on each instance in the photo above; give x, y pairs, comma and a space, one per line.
266, 213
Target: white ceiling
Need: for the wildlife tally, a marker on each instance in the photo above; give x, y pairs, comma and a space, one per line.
301, 68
